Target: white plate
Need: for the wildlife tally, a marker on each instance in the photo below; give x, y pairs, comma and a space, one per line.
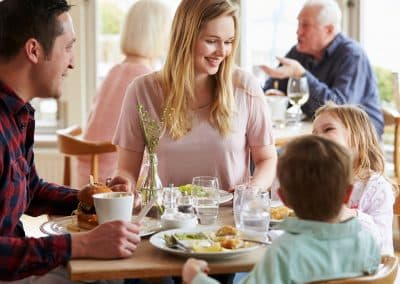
69, 224
157, 240
224, 196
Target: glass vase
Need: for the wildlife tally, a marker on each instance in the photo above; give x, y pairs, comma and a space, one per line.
152, 188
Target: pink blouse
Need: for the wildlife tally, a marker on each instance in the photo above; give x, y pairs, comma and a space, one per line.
104, 116
203, 151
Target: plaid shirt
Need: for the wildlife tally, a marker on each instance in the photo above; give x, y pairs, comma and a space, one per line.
22, 191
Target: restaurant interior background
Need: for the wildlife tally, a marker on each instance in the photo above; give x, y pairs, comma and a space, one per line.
268, 29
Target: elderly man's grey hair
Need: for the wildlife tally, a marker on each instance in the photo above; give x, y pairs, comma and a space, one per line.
329, 14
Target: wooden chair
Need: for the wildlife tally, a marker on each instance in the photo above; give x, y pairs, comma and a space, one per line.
392, 117
71, 144
386, 274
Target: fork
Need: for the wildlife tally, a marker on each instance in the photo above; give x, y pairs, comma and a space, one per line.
181, 245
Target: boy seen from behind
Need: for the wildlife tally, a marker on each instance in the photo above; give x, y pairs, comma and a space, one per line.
315, 175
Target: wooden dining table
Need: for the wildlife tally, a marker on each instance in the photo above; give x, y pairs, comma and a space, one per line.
150, 262
285, 134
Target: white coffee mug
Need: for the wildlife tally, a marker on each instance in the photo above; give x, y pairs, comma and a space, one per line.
113, 206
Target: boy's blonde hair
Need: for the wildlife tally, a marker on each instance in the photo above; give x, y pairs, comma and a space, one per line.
178, 74
315, 185
145, 32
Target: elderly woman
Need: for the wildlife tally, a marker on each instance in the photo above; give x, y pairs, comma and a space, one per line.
144, 38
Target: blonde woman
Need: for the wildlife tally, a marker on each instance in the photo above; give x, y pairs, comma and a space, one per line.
373, 195
216, 113
144, 39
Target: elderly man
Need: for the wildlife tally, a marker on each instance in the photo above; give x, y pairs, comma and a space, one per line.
336, 67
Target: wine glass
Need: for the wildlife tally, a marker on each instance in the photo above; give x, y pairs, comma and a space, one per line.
297, 91
205, 196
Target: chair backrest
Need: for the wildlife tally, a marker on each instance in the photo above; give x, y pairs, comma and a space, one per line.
392, 117
386, 274
71, 144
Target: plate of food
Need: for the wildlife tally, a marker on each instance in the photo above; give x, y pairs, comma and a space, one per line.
69, 225
224, 196
203, 242
280, 212
84, 218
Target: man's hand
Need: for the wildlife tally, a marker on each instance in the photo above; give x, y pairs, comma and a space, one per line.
289, 68
191, 267
115, 239
119, 183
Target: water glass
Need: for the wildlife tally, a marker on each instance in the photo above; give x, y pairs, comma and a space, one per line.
185, 203
237, 196
254, 213
205, 197
239, 190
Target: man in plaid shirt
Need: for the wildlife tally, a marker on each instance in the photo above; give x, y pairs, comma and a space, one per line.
36, 40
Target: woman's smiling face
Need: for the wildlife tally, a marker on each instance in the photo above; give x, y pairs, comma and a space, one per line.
214, 44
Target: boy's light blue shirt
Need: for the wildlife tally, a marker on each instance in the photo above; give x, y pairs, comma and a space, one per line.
311, 251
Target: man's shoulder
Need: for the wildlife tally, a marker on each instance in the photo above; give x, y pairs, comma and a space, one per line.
349, 46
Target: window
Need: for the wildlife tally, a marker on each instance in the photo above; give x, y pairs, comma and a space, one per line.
381, 42
268, 30
46, 115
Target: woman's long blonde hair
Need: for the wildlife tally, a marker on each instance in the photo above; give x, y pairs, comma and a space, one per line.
363, 140
178, 74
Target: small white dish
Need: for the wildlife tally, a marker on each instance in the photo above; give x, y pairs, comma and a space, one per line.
178, 220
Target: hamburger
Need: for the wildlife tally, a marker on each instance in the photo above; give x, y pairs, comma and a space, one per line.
86, 213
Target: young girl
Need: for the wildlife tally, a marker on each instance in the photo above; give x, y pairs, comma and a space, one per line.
373, 194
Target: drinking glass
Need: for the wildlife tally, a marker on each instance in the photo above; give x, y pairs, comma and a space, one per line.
205, 197
254, 213
239, 191
298, 93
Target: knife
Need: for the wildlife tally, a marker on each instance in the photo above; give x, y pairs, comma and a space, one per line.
145, 210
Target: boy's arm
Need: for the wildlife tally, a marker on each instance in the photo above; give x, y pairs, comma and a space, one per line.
194, 271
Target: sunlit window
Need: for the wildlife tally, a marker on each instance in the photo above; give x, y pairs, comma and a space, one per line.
381, 42
269, 30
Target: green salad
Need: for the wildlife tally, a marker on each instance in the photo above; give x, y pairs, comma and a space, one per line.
170, 240
188, 189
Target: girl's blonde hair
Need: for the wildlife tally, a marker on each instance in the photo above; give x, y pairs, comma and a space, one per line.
178, 74
362, 139
145, 32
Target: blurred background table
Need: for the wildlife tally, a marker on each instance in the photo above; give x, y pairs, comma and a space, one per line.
287, 133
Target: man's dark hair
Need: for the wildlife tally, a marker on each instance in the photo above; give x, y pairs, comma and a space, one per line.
21, 20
